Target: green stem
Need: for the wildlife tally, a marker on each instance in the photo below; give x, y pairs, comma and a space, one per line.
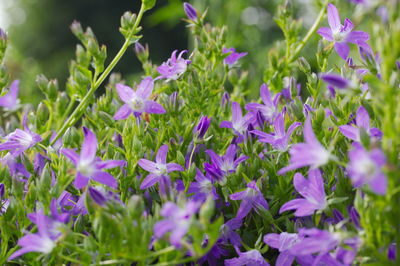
85, 101
310, 33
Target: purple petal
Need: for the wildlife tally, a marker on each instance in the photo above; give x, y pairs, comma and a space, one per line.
326, 33
71, 154
149, 181
245, 208
357, 36
80, 181
110, 164
226, 124
333, 18
335, 80
350, 132
105, 179
89, 146
362, 118
123, 112
265, 94
272, 240
145, 88
285, 259
238, 195
379, 184
153, 107
236, 112
342, 49
162, 227
148, 165
125, 92
161, 156
174, 167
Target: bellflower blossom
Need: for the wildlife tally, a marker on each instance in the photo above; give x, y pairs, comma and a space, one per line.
203, 187
341, 34
365, 167
270, 107
252, 198
137, 101
223, 165
159, 169
312, 189
174, 67
279, 139
177, 221
283, 242
311, 153
89, 166
239, 122
20, 140
43, 241
10, 100
252, 257
362, 122
233, 57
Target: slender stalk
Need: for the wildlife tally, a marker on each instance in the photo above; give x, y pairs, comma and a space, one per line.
77, 113
310, 33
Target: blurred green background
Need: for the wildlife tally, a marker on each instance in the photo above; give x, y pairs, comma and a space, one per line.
42, 42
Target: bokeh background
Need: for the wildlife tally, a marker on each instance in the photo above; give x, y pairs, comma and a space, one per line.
41, 41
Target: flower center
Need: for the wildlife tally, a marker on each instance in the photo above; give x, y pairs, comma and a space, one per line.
137, 104
161, 169
85, 168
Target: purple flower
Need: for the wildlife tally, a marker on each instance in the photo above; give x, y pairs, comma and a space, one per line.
174, 67
15, 168
89, 166
311, 153
202, 127
233, 57
223, 165
158, 169
312, 189
43, 241
335, 80
391, 253
97, 196
279, 139
10, 100
177, 221
228, 234
314, 241
252, 198
365, 167
20, 140
283, 242
341, 34
252, 257
362, 121
239, 122
190, 11
203, 187
137, 101
269, 108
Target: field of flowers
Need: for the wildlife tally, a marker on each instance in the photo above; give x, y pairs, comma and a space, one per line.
183, 167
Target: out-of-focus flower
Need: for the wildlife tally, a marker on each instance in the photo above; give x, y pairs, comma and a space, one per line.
252, 257
89, 166
312, 189
190, 11
311, 153
174, 67
362, 122
251, 198
137, 101
365, 167
341, 34
20, 140
233, 57
283, 242
270, 107
43, 241
279, 139
335, 80
159, 169
10, 100
177, 221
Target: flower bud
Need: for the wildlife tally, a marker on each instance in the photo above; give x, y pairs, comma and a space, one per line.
202, 126
2, 191
190, 11
97, 196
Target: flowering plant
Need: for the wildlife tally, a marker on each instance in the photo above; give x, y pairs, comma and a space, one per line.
180, 167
